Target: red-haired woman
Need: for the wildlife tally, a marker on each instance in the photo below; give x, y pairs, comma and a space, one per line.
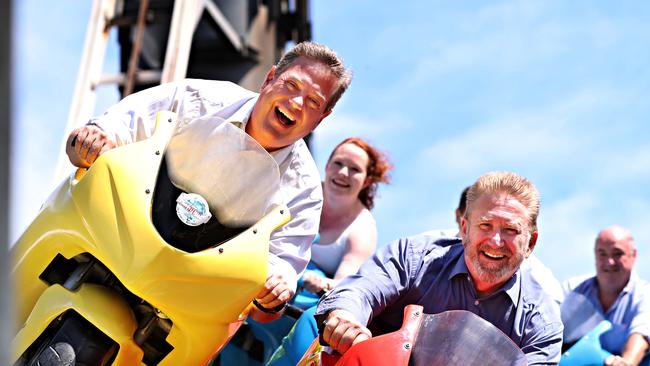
348, 233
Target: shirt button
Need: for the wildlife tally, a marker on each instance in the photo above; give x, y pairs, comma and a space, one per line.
476, 302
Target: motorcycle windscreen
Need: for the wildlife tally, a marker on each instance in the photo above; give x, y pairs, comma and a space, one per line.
237, 177
456, 338
579, 316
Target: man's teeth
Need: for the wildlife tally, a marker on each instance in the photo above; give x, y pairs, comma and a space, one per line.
493, 256
285, 116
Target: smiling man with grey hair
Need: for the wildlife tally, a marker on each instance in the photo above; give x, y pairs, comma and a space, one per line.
479, 273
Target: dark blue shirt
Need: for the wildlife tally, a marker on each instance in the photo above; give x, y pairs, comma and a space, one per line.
431, 271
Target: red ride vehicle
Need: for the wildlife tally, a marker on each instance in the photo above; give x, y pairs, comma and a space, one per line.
450, 338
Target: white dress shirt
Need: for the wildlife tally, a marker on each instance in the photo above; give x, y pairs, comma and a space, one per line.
133, 119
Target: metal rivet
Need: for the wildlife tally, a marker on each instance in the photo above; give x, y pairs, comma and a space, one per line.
147, 191
407, 346
220, 250
169, 120
254, 231
157, 152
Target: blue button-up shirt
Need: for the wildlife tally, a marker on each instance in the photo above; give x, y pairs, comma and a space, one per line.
629, 314
430, 271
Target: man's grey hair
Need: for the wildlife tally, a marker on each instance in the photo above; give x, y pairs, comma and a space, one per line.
323, 54
510, 183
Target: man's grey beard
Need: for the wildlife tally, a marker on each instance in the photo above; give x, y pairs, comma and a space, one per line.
490, 275
494, 275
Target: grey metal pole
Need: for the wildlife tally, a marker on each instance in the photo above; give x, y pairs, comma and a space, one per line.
5, 148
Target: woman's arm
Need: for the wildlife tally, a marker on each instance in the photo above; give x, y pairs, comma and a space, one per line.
361, 244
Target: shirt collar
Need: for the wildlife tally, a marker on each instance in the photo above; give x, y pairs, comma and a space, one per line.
240, 119
512, 287
241, 116
460, 268
629, 286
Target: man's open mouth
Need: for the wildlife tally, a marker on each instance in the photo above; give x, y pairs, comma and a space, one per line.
284, 118
611, 269
493, 256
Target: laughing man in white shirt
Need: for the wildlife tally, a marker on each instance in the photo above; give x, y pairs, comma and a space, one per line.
296, 95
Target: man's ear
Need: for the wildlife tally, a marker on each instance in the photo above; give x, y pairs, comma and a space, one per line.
325, 114
458, 217
531, 243
464, 225
269, 76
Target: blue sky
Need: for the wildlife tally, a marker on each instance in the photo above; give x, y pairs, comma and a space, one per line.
554, 90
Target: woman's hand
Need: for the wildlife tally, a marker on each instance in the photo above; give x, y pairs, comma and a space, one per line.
316, 283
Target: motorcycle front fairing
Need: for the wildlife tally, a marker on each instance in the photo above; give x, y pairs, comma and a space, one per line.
105, 215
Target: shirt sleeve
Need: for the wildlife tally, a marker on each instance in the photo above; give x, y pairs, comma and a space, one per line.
290, 245
379, 283
641, 320
300, 190
134, 117
543, 340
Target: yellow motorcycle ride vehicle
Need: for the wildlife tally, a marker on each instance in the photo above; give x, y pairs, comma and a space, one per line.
106, 274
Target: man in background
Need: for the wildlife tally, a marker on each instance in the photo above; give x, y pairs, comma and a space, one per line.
619, 295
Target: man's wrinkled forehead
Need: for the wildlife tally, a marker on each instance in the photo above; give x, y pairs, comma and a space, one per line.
503, 202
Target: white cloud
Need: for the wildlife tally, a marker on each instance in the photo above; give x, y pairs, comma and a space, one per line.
566, 234
341, 124
568, 228
557, 137
508, 38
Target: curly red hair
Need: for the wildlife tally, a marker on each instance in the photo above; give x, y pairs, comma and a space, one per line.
377, 169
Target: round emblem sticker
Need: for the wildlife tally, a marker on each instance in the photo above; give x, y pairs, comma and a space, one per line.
192, 209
